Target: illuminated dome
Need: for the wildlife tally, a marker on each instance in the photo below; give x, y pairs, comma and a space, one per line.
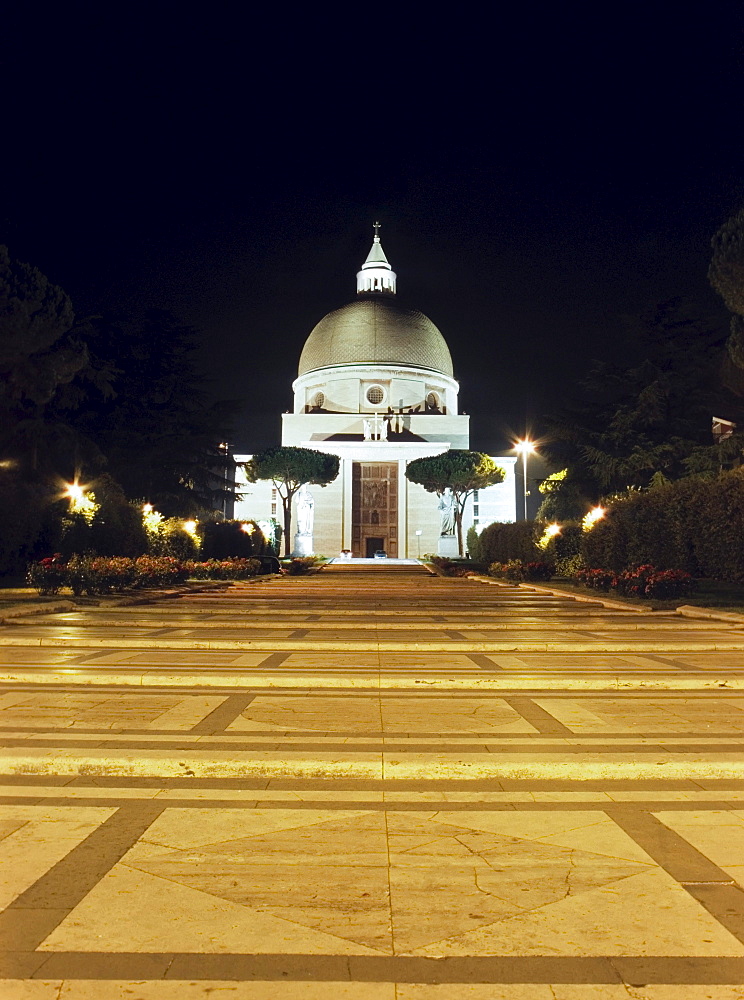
375, 329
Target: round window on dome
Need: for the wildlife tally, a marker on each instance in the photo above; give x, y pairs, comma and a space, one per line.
375, 394
319, 399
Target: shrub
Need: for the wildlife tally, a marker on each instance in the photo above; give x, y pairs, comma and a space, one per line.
301, 565
641, 581
506, 570
693, 525
454, 567
79, 574
112, 575
565, 544
116, 528
473, 544
570, 567
719, 531
31, 518
596, 579
606, 545
223, 569
647, 581
159, 571
632, 582
538, 570
516, 570
228, 539
665, 584
502, 542
47, 575
172, 539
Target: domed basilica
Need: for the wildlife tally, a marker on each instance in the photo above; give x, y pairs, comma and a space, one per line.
375, 386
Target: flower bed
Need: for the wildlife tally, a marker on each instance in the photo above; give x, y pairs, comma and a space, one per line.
106, 575
596, 579
48, 575
644, 582
517, 571
224, 569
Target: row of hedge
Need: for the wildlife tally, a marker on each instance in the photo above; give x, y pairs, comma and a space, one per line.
107, 575
503, 543
693, 525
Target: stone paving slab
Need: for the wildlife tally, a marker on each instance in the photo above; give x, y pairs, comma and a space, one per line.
382, 824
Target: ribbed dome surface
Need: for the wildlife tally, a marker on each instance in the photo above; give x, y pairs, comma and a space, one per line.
375, 330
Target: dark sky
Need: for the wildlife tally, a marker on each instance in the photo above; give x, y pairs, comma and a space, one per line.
538, 176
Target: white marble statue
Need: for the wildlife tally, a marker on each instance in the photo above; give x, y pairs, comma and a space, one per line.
305, 504
447, 513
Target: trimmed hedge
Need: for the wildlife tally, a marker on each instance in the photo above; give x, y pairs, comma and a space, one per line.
517, 570
693, 525
228, 539
503, 542
507, 542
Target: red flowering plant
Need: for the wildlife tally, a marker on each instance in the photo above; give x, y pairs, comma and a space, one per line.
647, 581
667, 584
235, 568
79, 575
596, 579
48, 575
114, 573
516, 570
633, 582
538, 571
511, 570
159, 571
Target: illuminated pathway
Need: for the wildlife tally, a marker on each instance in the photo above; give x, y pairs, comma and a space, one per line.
371, 784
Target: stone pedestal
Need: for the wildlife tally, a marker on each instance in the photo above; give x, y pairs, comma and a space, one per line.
447, 546
303, 545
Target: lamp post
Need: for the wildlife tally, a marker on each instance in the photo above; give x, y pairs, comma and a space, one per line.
525, 448
224, 449
418, 544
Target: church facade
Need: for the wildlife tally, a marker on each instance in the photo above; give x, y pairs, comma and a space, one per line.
376, 387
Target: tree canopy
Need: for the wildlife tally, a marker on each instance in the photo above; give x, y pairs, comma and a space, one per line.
140, 409
289, 469
39, 352
630, 422
726, 274
456, 471
563, 499
98, 397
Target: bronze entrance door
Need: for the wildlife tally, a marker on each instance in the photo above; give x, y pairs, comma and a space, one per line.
374, 508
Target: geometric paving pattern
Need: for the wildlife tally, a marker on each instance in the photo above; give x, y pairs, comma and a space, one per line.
374, 786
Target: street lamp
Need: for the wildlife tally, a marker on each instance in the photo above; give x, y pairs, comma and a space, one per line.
524, 448
418, 544
75, 492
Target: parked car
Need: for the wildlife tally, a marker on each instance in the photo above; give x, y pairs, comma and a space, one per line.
380, 554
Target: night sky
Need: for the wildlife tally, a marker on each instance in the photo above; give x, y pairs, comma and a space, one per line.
539, 177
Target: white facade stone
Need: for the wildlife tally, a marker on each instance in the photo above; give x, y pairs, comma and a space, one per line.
375, 388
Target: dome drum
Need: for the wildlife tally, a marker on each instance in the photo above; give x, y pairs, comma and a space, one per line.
375, 389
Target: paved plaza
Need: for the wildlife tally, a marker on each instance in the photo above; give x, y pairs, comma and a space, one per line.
371, 784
